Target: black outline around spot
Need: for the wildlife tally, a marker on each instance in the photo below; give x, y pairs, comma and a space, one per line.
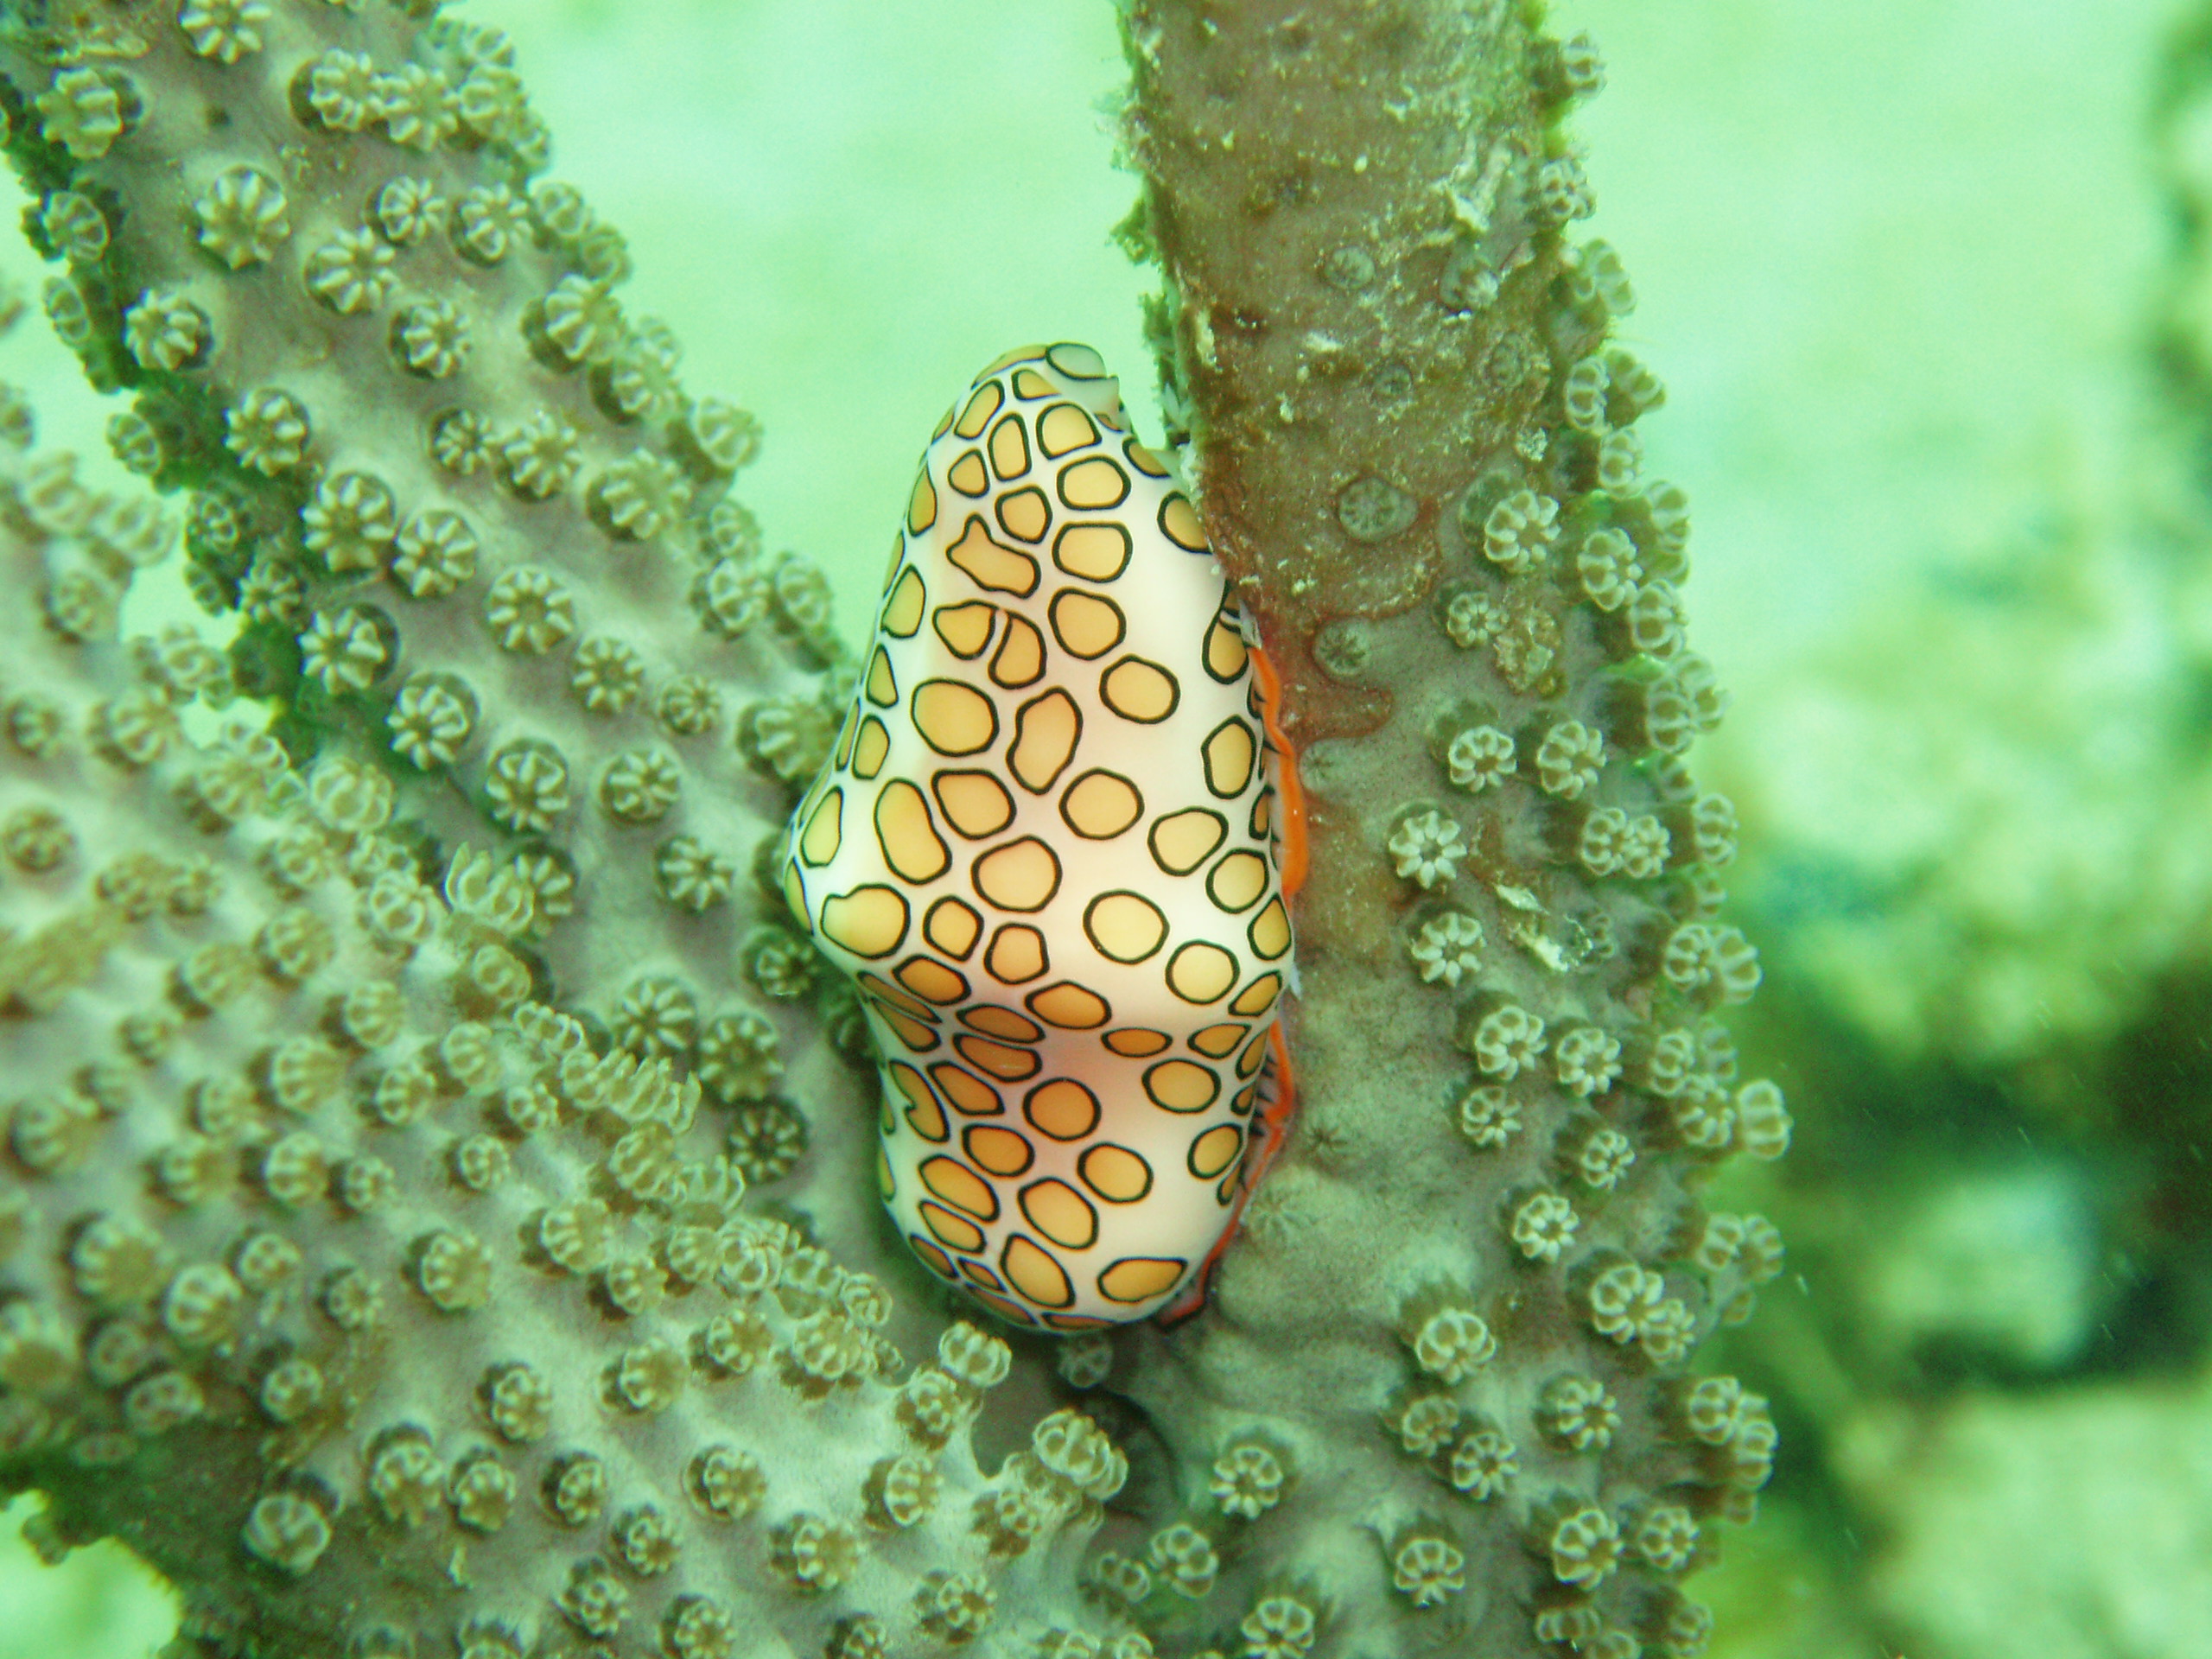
1128, 550
1051, 409
1044, 953
1181, 1266
944, 1209
1174, 690
834, 793
1028, 1151
1030, 1003
1028, 455
997, 1209
991, 385
1236, 1006
1074, 374
921, 479
1006, 643
1060, 485
1131, 450
925, 1248
925, 957
976, 525
1222, 863
1205, 758
1021, 717
976, 876
1097, 1111
1221, 624
944, 1117
1287, 939
1005, 500
991, 629
913, 710
961, 1039
937, 779
1151, 1094
961, 1114
1152, 839
969, 1016
866, 721
906, 918
891, 597
1169, 973
1021, 1204
1151, 1175
1078, 783
1091, 933
957, 956
983, 469
1190, 1157
1241, 1027
883, 843
1180, 546
1067, 1279
1084, 596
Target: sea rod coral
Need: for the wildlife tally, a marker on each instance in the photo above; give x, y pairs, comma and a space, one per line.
437, 1211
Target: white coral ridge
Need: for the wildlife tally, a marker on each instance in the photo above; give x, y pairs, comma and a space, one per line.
1449, 947
1479, 758
1507, 1040
1427, 848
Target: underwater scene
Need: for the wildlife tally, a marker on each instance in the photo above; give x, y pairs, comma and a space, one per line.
581, 1062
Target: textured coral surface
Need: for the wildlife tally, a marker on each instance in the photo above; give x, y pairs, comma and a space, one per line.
1897, 263
437, 1210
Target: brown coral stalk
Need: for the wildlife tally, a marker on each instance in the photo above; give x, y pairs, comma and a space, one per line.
1412, 450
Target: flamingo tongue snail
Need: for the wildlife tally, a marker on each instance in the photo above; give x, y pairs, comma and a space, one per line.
1052, 850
